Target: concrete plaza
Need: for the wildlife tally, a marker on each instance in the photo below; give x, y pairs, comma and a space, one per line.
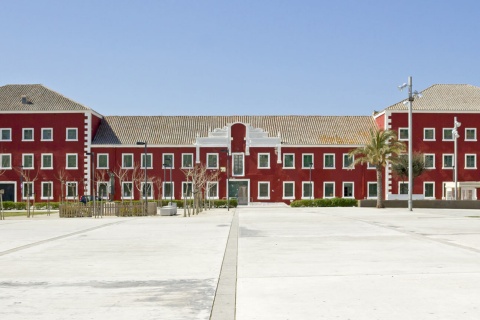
248, 263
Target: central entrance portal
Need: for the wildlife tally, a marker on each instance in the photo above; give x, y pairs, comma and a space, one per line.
240, 190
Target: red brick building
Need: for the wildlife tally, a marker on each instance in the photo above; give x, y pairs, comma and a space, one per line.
48, 143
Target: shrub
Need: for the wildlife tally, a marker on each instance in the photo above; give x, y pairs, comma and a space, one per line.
333, 202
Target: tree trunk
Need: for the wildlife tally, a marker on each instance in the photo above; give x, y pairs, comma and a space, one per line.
379, 188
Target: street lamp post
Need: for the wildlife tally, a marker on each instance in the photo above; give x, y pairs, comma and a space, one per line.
455, 134
165, 165
92, 159
411, 96
146, 179
228, 179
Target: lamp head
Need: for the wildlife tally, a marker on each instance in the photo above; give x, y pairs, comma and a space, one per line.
403, 86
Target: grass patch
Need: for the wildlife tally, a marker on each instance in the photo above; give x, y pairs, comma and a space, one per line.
473, 216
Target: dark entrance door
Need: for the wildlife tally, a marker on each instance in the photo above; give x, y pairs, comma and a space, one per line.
238, 190
9, 191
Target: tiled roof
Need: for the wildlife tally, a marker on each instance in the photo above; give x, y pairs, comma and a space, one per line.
183, 130
445, 97
38, 98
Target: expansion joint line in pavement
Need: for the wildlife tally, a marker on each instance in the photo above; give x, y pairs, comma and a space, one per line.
57, 238
225, 296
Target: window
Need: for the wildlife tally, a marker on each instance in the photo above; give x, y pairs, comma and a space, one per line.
429, 160
5, 161
371, 166
470, 134
47, 161
27, 161
149, 190
429, 134
27, 134
307, 161
5, 134
187, 188
27, 190
447, 134
238, 168
47, 190
47, 134
127, 190
403, 187
212, 190
307, 190
168, 160
372, 190
348, 189
264, 190
187, 160
329, 189
102, 161
72, 162
127, 160
212, 160
329, 161
288, 190
470, 161
149, 161
429, 190
71, 190
264, 160
348, 161
103, 190
447, 161
402, 133
167, 190
288, 161
72, 134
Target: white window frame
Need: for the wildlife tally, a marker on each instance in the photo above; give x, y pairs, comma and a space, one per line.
443, 161
1, 161
424, 134
371, 166
43, 196
325, 161
66, 134
43, 167
425, 160
172, 160
400, 135
466, 162
293, 156
233, 164
353, 189
292, 197
324, 189
67, 183
98, 160
208, 163
183, 161
1, 134
142, 157
131, 190
424, 189
351, 166
51, 134
368, 190
23, 134
24, 189
150, 189
475, 134
400, 184
313, 189
23, 161
447, 130
267, 197
76, 161
209, 183
182, 196
123, 160
258, 160
172, 190
303, 161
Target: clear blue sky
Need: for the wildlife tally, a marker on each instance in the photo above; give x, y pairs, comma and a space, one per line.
254, 57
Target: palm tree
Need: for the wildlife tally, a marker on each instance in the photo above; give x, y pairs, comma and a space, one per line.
383, 147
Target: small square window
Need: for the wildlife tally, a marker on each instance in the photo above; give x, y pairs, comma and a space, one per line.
238, 164
5, 161
447, 161
403, 187
27, 161
47, 161
149, 161
27, 134
127, 190
288, 160
47, 134
470, 134
47, 190
187, 160
348, 190
264, 160
149, 190
264, 190
72, 162
212, 190
470, 161
187, 189
329, 189
102, 161
5, 134
168, 190
372, 190
329, 161
429, 189
348, 161
288, 190
447, 134
28, 190
167, 160
402, 134
127, 160
307, 161
212, 160
71, 190
429, 134
72, 134
307, 190
429, 161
